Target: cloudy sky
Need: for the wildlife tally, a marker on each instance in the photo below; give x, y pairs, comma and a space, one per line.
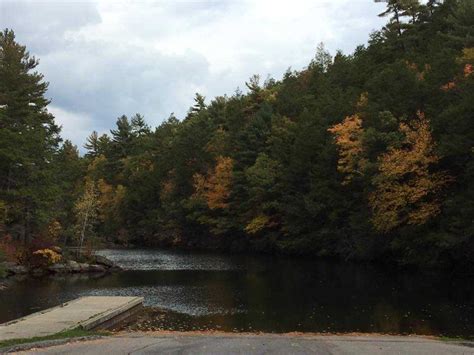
104, 58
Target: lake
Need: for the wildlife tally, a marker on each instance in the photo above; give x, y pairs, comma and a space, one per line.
264, 293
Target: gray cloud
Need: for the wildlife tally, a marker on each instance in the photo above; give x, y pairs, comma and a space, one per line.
120, 80
45, 24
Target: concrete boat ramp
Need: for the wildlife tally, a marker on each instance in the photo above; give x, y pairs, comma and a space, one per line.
85, 312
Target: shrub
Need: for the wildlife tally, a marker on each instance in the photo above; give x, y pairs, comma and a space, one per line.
45, 257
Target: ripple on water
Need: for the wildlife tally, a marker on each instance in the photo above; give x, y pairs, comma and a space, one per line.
194, 301
168, 260
265, 293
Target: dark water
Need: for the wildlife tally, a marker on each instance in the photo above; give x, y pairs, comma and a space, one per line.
272, 294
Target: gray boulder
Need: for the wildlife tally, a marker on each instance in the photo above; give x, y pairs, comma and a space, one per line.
97, 268
15, 269
102, 260
58, 268
6, 266
83, 267
73, 266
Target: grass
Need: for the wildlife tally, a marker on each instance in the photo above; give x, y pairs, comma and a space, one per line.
72, 333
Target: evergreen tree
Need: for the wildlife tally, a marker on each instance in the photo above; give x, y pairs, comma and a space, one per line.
330, 160
29, 139
139, 126
92, 144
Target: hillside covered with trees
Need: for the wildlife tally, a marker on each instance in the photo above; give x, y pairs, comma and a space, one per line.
365, 156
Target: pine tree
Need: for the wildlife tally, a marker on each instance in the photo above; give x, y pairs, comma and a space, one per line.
139, 126
92, 144
199, 105
122, 137
395, 9
69, 172
29, 140
322, 60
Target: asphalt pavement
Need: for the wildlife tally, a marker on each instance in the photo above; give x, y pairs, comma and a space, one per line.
189, 343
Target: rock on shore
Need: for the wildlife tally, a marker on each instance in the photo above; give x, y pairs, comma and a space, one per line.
99, 264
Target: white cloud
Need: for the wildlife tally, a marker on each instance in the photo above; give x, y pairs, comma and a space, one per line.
104, 58
75, 126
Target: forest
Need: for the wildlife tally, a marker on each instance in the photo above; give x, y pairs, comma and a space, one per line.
363, 156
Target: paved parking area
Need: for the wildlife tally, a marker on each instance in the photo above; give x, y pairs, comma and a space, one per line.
182, 343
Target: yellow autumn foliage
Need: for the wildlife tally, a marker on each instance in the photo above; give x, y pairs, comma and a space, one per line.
49, 256
348, 136
215, 187
109, 198
257, 224
405, 186
54, 230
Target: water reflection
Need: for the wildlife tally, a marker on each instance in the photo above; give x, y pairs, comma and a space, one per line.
204, 291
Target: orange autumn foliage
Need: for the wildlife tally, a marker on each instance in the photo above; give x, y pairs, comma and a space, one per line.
448, 86
468, 70
215, 188
405, 187
348, 136
466, 61
167, 189
420, 74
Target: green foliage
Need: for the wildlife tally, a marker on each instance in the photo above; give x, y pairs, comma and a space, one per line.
29, 145
297, 165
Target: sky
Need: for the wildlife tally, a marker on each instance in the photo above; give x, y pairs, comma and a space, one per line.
105, 58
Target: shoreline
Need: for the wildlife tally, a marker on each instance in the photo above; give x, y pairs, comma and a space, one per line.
98, 265
285, 334
158, 320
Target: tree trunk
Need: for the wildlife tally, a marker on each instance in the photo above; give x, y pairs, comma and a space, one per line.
83, 232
